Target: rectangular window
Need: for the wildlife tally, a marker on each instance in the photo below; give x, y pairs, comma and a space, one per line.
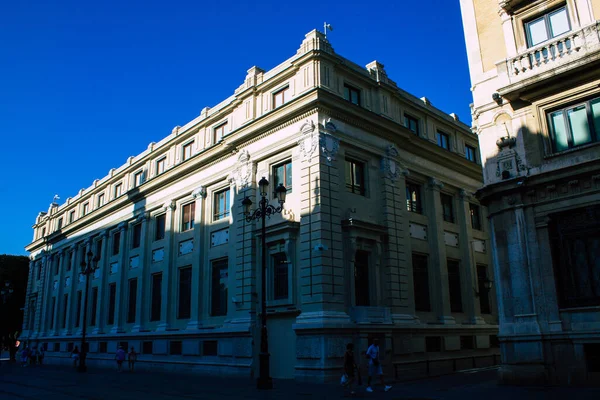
159, 227
443, 140
282, 174
57, 265
187, 216
112, 297
421, 282
433, 344
99, 248
355, 176
136, 236
352, 94
281, 97
210, 347
160, 165
156, 299
59, 224
447, 207
218, 293
132, 300
147, 347
467, 342
65, 308
362, 292
52, 311
94, 306
72, 216
187, 150
175, 347
484, 295
219, 132
116, 243
470, 153
280, 276
184, 301
69, 260
475, 216
221, 205
86, 208
454, 286
100, 200
547, 26
118, 190
103, 347
575, 126
413, 198
411, 123
138, 178
56, 347
78, 313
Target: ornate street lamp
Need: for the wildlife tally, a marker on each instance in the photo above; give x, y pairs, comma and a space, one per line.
87, 268
263, 211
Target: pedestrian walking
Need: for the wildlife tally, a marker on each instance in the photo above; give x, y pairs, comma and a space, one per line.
120, 357
375, 366
75, 356
132, 358
24, 356
41, 354
349, 367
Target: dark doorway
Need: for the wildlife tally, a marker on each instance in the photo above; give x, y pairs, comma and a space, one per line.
361, 278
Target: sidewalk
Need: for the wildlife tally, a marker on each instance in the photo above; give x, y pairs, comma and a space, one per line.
51, 382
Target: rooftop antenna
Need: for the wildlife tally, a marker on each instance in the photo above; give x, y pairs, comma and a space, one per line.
327, 26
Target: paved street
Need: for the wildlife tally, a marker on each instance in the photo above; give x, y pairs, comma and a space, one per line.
52, 382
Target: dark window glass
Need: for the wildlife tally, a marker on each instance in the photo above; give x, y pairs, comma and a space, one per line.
147, 347
187, 216
575, 238
94, 306
102, 347
281, 97
467, 342
547, 26
124, 345
100, 199
443, 140
352, 94
187, 151
484, 295
70, 347
413, 198
280, 276
421, 282
156, 297
72, 216
69, 260
78, 313
116, 239
185, 293
494, 342
433, 344
65, 308
56, 264
411, 123
112, 295
454, 286
219, 132
282, 174
60, 223
470, 153
99, 248
138, 178
210, 348
355, 176
159, 232
56, 346
160, 165
132, 300
220, 276
447, 207
575, 125
175, 347
475, 216
361, 278
137, 236
52, 311
221, 205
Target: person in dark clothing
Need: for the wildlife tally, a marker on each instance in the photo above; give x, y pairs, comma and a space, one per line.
349, 366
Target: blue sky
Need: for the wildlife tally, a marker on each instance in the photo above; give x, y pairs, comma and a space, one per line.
84, 85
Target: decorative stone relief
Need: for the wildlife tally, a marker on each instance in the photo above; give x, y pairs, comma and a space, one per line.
479, 246
134, 262
308, 347
435, 184
219, 237
309, 141
451, 239
199, 192
158, 254
329, 146
68, 281
186, 247
55, 285
418, 231
97, 273
114, 268
242, 174
81, 278
390, 166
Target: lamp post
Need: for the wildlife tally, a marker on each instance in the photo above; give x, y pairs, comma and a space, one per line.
263, 211
5, 293
87, 268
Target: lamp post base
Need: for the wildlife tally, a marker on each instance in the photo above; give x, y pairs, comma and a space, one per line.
264, 381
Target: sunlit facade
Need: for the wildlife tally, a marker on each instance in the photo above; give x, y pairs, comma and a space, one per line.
380, 235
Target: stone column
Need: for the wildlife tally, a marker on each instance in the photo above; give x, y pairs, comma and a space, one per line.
72, 285
440, 294
166, 314
196, 308
140, 307
121, 307
509, 34
104, 268
59, 293
467, 266
45, 293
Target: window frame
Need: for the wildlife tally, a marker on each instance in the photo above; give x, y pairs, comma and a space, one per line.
563, 110
281, 91
455, 285
184, 304
161, 161
276, 182
218, 262
72, 216
162, 231
132, 286
156, 296
136, 235
439, 138
219, 129
138, 178
118, 190
85, 209
415, 206
472, 150
408, 118
478, 225
218, 216
352, 187
184, 147
546, 17
420, 294
116, 243
184, 227
447, 217
100, 200
352, 89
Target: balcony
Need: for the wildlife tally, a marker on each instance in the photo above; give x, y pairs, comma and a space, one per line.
566, 54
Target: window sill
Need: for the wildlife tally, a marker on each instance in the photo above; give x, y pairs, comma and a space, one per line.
572, 150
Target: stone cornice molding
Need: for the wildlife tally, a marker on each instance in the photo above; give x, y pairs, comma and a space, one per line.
199, 193
122, 226
435, 184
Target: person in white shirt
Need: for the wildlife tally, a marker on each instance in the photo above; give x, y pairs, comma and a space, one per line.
375, 365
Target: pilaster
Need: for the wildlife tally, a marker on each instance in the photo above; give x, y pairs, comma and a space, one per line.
121, 307
72, 254
104, 267
59, 294
199, 228
141, 309
166, 314
45, 294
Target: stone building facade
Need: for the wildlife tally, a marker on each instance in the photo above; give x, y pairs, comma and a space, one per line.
380, 235
536, 90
